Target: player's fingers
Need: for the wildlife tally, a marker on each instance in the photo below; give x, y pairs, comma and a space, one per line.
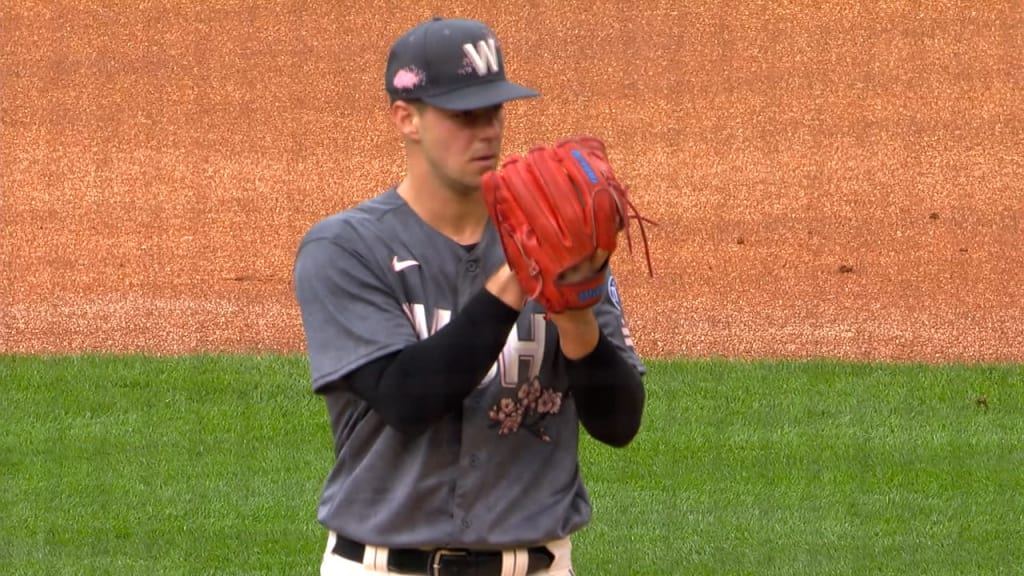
586, 269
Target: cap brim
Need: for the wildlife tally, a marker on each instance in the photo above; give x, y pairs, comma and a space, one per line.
481, 96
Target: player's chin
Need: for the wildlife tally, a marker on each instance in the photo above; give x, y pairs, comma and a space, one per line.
470, 182
473, 177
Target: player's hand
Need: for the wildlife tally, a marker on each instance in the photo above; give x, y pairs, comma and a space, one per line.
586, 269
504, 285
578, 330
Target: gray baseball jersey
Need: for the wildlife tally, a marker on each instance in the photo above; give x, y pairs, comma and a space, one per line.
504, 471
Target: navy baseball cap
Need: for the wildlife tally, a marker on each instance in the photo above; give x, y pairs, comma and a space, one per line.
450, 63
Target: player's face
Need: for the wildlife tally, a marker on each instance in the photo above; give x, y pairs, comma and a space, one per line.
462, 146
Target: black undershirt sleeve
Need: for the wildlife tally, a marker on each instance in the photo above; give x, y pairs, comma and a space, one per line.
413, 388
609, 394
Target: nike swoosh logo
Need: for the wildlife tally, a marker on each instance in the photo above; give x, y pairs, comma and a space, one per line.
400, 265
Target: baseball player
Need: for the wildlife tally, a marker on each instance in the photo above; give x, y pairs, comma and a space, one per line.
454, 400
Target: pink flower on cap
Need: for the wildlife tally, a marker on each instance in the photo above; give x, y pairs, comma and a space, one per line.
408, 78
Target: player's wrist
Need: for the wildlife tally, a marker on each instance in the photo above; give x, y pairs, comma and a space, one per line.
578, 332
504, 285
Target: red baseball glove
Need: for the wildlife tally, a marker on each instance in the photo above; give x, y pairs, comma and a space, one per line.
553, 209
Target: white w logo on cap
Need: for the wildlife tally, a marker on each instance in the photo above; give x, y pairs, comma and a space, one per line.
483, 56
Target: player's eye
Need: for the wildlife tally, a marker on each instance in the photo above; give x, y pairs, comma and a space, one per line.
479, 116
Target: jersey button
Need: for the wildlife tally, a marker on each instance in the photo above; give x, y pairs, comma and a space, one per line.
466, 523
474, 460
472, 266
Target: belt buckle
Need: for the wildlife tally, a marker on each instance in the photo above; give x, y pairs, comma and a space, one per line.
438, 555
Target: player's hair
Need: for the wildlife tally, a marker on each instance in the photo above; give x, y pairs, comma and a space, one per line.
416, 103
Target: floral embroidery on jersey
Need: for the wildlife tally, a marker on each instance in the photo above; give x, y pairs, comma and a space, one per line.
529, 408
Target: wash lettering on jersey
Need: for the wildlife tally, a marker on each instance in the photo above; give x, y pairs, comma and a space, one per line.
520, 359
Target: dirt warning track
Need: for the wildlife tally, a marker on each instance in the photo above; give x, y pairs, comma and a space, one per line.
830, 179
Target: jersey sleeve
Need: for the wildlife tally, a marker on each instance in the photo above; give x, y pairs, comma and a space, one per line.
612, 320
349, 316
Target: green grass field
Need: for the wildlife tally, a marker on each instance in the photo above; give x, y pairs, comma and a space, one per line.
212, 465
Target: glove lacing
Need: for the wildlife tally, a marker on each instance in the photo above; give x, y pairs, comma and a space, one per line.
626, 217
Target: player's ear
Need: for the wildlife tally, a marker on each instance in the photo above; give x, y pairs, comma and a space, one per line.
407, 118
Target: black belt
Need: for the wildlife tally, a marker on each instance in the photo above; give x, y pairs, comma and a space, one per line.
443, 561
